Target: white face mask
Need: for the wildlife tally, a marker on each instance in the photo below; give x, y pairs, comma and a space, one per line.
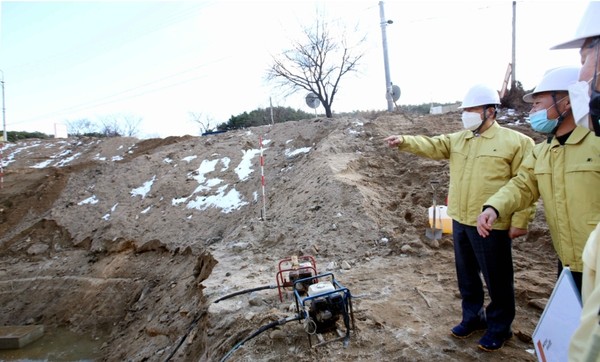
580, 102
471, 120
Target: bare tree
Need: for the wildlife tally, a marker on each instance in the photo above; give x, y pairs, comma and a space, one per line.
132, 124
110, 127
317, 64
80, 127
203, 122
120, 125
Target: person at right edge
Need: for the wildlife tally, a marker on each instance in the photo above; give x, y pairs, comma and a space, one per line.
585, 342
482, 158
556, 169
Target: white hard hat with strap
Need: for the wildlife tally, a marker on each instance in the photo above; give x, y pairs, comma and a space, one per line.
555, 80
480, 95
589, 27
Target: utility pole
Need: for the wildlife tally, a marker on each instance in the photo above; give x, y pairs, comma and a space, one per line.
3, 111
514, 35
388, 81
4, 140
271, 106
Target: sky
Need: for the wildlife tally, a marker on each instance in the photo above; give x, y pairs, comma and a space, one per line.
159, 62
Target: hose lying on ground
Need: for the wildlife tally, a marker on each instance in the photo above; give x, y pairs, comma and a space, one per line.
245, 291
259, 331
195, 321
190, 327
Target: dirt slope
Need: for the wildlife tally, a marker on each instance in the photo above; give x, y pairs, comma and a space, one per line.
127, 243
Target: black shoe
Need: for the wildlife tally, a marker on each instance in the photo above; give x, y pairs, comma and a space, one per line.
464, 330
493, 342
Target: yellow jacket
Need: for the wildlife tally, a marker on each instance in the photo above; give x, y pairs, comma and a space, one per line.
585, 342
479, 166
567, 178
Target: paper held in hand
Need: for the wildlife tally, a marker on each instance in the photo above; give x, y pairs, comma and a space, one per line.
559, 320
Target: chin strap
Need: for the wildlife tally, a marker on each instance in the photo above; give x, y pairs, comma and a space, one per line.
485, 118
561, 116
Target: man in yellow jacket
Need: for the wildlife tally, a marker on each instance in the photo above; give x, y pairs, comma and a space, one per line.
585, 342
561, 170
564, 171
482, 158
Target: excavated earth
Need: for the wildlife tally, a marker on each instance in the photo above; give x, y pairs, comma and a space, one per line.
125, 244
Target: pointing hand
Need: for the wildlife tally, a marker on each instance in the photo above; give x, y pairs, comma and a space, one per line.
394, 141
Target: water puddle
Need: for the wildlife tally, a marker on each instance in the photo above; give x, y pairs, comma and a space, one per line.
57, 345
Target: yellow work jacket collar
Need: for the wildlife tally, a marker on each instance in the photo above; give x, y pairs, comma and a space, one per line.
577, 136
488, 133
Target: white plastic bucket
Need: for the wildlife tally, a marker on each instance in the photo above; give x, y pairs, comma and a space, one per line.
442, 220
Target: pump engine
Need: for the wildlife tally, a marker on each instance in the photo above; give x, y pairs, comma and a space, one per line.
325, 303
322, 303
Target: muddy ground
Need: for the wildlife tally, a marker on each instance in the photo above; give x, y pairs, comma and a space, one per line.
126, 243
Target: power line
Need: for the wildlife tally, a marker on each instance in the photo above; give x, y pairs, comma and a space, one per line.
110, 99
120, 28
101, 44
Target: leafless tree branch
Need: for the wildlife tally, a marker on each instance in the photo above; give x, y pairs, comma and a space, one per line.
316, 64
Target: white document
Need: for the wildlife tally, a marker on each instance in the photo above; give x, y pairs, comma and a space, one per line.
559, 321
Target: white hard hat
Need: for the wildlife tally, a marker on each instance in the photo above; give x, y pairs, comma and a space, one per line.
480, 95
589, 27
557, 79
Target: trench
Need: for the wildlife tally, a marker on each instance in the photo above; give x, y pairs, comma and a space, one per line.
59, 344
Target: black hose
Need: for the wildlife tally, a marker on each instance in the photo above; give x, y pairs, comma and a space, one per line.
190, 327
259, 331
245, 291
195, 321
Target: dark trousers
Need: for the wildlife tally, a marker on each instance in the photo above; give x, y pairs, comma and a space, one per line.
577, 277
492, 256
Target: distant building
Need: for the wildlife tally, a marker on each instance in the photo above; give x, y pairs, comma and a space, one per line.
444, 109
60, 130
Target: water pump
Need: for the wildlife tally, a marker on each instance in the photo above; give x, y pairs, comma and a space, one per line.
326, 302
323, 305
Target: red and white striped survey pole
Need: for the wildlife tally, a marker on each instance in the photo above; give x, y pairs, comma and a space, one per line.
262, 180
2, 164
